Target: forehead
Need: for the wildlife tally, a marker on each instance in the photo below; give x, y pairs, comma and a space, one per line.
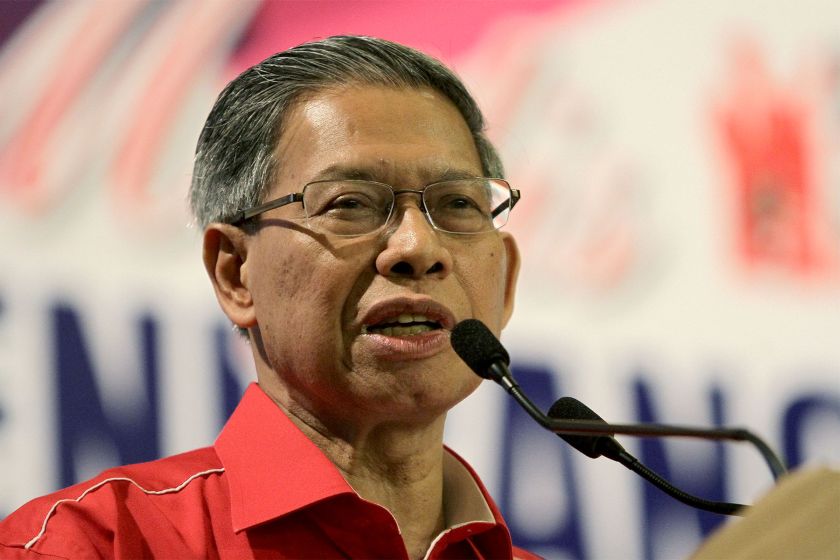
394, 135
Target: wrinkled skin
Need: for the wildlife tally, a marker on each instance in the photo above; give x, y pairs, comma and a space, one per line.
304, 296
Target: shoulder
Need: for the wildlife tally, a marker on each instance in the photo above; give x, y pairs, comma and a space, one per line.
77, 516
167, 474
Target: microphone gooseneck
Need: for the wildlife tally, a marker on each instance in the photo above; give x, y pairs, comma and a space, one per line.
475, 335
569, 408
585, 430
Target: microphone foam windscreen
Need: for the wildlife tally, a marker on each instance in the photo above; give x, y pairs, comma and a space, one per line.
477, 346
569, 408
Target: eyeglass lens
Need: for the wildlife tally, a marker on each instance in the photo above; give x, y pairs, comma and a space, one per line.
353, 207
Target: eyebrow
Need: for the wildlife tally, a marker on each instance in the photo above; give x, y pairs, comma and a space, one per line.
341, 171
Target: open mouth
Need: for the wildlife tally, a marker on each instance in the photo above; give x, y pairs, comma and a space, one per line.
404, 324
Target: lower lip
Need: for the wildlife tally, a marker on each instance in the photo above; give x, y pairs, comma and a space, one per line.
414, 347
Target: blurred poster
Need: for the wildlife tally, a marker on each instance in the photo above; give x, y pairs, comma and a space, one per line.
680, 231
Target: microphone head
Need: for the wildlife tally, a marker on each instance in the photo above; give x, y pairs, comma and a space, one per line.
569, 408
478, 347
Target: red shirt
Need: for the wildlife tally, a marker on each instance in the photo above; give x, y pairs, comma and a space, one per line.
264, 490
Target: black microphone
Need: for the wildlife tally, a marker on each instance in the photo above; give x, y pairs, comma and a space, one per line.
482, 351
569, 408
486, 356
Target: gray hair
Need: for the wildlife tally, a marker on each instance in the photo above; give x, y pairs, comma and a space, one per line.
235, 162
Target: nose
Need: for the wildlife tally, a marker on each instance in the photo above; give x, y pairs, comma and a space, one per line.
413, 249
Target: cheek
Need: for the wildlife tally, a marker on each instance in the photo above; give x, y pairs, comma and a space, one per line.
482, 273
306, 288
282, 284
275, 287
280, 280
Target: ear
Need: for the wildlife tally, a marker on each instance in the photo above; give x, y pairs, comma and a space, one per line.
511, 274
226, 261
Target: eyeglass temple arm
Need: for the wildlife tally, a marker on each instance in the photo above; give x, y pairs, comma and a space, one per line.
514, 198
240, 217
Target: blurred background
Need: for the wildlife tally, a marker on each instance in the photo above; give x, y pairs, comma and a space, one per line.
680, 230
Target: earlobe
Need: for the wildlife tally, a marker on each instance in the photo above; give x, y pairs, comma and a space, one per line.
511, 274
225, 260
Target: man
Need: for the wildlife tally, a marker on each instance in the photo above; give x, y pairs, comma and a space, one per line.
349, 224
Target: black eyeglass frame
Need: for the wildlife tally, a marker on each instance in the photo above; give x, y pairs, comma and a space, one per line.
243, 216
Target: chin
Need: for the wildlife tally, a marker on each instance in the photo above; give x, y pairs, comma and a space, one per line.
421, 404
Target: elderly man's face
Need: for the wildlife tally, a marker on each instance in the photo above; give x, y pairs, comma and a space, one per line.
319, 302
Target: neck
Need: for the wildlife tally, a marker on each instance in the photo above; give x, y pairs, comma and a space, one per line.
408, 483
396, 465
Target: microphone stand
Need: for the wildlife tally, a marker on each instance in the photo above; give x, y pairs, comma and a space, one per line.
484, 354
502, 375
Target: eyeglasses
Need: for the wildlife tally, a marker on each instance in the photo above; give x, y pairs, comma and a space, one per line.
352, 207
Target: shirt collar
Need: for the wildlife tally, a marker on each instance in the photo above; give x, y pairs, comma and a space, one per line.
464, 497
273, 469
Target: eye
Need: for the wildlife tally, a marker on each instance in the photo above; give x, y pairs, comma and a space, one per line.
340, 199
347, 207
350, 202
456, 202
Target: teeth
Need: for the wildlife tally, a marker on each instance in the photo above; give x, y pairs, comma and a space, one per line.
413, 325
409, 318
405, 331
